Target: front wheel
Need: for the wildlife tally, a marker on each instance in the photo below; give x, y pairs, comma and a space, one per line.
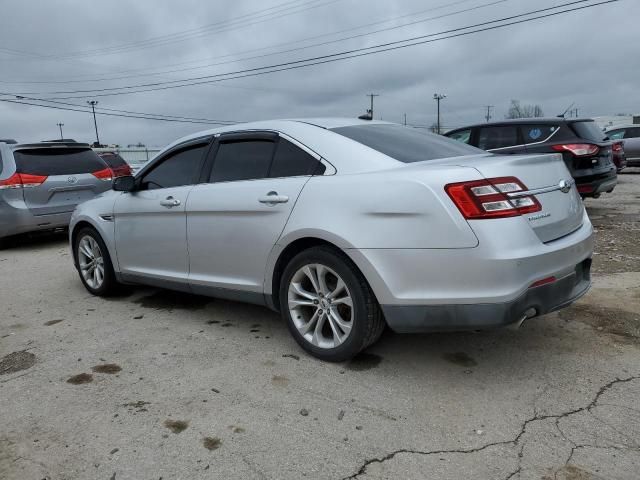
328, 305
94, 263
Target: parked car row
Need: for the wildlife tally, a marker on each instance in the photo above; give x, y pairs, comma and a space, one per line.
591, 157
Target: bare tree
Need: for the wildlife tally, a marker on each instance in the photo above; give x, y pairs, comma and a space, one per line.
516, 110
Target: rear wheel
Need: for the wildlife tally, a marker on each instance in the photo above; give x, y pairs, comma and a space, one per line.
94, 263
328, 305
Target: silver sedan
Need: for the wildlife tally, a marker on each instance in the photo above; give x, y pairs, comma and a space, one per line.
345, 227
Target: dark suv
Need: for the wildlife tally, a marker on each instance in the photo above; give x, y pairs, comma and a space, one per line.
587, 151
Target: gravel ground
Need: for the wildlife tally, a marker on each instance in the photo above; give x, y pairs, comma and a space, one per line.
156, 384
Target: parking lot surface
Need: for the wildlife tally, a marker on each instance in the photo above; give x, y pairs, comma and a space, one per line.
155, 384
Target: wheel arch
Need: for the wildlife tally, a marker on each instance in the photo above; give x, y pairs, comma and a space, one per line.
105, 234
297, 245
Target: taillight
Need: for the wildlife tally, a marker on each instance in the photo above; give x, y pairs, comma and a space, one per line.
491, 198
585, 189
618, 147
578, 149
121, 171
105, 174
22, 180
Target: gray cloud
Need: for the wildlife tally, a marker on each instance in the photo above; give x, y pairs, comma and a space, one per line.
584, 57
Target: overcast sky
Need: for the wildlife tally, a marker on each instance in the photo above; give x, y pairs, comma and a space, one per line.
588, 57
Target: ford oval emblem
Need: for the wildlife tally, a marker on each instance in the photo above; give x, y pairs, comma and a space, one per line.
565, 186
72, 180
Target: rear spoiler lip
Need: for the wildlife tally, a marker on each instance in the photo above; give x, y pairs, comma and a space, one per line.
58, 145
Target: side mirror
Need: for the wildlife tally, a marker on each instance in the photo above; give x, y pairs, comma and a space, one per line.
124, 184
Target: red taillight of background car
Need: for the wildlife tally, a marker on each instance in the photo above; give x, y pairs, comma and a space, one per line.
22, 180
578, 149
585, 189
618, 147
491, 198
122, 171
105, 174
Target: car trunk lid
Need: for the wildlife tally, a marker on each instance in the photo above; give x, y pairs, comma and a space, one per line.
547, 179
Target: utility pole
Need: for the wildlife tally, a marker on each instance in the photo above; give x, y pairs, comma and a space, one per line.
405, 119
437, 97
488, 116
93, 104
60, 125
371, 95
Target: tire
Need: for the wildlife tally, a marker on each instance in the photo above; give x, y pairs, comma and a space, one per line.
108, 285
300, 299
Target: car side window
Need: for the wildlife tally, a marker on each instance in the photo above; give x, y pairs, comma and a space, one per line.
497, 137
177, 169
616, 134
242, 160
536, 133
632, 132
291, 161
461, 136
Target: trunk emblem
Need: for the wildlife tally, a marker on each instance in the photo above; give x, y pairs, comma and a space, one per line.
565, 186
72, 180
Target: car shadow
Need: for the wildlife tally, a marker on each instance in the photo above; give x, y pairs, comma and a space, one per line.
36, 239
532, 344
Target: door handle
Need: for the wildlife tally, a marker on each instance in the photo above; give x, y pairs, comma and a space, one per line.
170, 202
272, 198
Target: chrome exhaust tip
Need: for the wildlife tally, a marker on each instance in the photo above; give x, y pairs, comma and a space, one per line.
529, 313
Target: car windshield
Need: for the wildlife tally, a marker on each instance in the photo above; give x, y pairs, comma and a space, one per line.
406, 144
589, 131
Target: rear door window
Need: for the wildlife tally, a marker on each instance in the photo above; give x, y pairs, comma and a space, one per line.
589, 131
113, 160
58, 161
177, 169
463, 136
616, 134
490, 138
292, 161
537, 133
632, 132
242, 160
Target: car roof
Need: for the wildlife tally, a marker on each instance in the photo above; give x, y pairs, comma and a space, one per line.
315, 135
525, 121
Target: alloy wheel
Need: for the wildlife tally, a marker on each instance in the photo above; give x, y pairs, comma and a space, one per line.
91, 262
320, 306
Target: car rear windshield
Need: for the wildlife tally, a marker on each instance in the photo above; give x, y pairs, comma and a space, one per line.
113, 160
57, 161
589, 131
406, 144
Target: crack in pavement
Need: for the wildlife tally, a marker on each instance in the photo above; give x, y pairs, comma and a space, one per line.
514, 442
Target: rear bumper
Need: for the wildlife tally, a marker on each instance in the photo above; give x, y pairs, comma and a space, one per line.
594, 185
14, 221
534, 302
633, 162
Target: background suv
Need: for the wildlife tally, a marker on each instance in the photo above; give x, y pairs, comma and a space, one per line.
630, 135
586, 150
41, 184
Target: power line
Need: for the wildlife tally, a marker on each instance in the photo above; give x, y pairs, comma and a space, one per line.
344, 55
261, 16
235, 59
83, 110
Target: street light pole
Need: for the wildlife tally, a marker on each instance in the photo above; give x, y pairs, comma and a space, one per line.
437, 97
60, 125
93, 104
